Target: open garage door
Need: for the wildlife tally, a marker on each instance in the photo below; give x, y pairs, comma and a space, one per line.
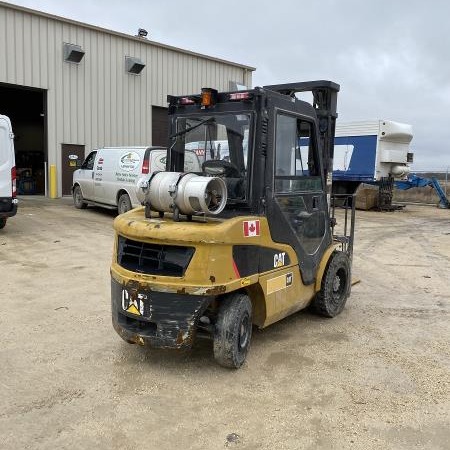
26, 107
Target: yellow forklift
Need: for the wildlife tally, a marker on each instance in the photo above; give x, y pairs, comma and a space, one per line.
238, 231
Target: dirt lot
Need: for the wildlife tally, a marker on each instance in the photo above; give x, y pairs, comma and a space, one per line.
376, 377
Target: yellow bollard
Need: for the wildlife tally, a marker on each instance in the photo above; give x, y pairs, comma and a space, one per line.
53, 186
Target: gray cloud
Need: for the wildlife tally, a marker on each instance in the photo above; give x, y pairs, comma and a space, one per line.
390, 57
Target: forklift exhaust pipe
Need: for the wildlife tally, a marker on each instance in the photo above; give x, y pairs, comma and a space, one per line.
187, 192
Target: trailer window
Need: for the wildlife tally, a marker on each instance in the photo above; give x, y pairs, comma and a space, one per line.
296, 161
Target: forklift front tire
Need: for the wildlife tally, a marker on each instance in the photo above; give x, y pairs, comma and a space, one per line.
233, 330
335, 288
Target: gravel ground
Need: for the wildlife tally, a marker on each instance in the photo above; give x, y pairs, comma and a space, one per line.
375, 377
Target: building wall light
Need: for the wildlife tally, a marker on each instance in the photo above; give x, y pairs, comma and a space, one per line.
142, 33
133, 65
73, 53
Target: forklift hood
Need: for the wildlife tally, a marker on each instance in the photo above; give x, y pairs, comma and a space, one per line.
204, 230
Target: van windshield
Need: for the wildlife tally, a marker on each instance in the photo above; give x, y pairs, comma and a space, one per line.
214, 145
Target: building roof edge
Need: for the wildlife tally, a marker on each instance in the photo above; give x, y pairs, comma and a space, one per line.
122, 35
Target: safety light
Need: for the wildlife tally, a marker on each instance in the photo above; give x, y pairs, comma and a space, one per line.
186, 101
209, 97
237, 96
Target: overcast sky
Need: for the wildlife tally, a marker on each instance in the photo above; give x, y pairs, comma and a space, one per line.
391, 57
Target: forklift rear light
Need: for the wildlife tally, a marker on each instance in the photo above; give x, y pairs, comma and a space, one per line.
186, 101
237, 96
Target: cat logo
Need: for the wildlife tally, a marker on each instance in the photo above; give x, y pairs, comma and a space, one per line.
133, 303
278, 259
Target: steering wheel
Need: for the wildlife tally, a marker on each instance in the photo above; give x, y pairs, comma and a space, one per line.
221, 168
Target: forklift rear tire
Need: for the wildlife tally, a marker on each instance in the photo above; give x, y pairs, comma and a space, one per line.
335, 289
233, 330
2, 222
78, 199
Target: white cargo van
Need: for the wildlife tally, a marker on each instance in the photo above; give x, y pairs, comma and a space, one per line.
8, 200
108, 176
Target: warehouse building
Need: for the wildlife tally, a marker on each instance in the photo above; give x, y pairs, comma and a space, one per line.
69, 87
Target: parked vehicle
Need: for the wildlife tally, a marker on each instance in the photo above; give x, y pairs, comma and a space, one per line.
8, 193
414, 181
376, 152
108, 176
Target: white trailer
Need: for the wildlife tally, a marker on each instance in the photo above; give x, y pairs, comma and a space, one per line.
368, 151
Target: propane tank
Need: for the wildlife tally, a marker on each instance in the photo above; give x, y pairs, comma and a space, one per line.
186, 192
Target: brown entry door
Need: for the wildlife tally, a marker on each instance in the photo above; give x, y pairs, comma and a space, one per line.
72, 156
160, 126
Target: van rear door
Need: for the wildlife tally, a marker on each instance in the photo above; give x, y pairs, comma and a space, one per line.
7, 161
158, 158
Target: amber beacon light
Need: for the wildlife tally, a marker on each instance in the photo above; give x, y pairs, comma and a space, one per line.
209, 97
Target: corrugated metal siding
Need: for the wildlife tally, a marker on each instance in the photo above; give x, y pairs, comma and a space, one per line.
96, 103
359, 128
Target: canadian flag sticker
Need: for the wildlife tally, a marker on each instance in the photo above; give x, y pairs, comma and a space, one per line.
251, 228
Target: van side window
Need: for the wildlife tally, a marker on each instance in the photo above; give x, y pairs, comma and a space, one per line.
89, 161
